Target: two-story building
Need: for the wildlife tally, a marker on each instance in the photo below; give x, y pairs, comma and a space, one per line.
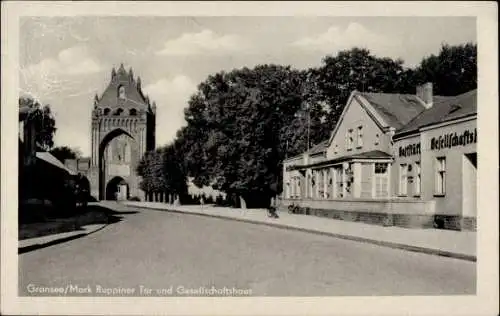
393, 159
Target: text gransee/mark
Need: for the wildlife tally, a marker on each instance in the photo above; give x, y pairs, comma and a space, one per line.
141, 290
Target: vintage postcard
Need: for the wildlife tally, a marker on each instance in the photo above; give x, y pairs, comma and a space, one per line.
249, 158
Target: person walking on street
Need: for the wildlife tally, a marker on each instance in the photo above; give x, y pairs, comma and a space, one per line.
272, 208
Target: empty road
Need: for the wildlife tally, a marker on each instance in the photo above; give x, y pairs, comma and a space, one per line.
179, 254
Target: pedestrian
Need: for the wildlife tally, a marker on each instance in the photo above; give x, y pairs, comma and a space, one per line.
272, 208
202, 201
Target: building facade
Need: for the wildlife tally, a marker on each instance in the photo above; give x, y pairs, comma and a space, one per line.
122, 130
393, 159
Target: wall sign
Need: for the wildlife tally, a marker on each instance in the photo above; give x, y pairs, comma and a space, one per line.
410, 150
454, 140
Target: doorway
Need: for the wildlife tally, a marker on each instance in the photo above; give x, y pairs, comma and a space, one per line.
117, 189
469, 185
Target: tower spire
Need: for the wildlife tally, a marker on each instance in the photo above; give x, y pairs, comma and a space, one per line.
139, 83
121, 70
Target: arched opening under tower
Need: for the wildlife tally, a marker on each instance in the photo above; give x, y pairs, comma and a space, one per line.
116, 161
117, 189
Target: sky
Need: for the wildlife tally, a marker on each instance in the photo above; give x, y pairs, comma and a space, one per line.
65, 61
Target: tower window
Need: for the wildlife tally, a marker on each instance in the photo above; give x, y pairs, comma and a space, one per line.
119, 111
133, 112
106, 111
121, 92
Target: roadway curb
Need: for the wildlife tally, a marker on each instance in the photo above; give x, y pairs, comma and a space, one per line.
393, 245
37, 245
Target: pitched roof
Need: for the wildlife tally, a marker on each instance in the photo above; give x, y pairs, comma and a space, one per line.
47, 157
134, 97
396, 109
318, 148
373, 154
446, 109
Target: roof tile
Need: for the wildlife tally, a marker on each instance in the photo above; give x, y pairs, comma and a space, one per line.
446, 109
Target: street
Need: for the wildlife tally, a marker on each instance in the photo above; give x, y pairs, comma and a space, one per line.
159, 250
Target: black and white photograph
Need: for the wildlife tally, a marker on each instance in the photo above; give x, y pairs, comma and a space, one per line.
234, 155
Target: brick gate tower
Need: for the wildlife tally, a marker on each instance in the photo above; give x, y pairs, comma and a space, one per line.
123, 129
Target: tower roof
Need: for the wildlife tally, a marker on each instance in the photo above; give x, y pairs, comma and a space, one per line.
123, 91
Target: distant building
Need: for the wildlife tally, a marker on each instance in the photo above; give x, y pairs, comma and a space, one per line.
41, 176
393, 159
122, 130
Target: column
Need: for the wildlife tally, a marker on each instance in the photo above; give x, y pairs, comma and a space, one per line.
344, 183
325, 183
357, 179
141, 141
308, 183
318, 183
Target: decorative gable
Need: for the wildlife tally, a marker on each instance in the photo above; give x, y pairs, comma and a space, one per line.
359, 129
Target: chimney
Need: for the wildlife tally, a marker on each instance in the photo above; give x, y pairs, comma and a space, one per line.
424, 93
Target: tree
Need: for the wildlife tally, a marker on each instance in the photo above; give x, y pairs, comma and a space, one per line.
453, 71
45, 124
64, 152
150, 169
162, 171
239, 124
355, 69
173, 172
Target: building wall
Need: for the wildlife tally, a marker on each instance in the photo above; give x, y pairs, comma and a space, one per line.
406, 151
419, 205
451, 202
355, 116
106, 132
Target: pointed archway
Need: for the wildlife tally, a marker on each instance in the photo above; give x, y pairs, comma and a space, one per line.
103, 189
117, 189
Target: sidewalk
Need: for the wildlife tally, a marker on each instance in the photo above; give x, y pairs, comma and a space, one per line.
456, 244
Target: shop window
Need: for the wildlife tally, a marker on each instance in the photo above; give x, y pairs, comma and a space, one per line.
381, 180
418, 180
403, 179
360, 137
440, 173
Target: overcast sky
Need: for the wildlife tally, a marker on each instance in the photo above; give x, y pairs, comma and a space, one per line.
65, 61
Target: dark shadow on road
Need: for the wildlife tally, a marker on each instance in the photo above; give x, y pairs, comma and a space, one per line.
49, 222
